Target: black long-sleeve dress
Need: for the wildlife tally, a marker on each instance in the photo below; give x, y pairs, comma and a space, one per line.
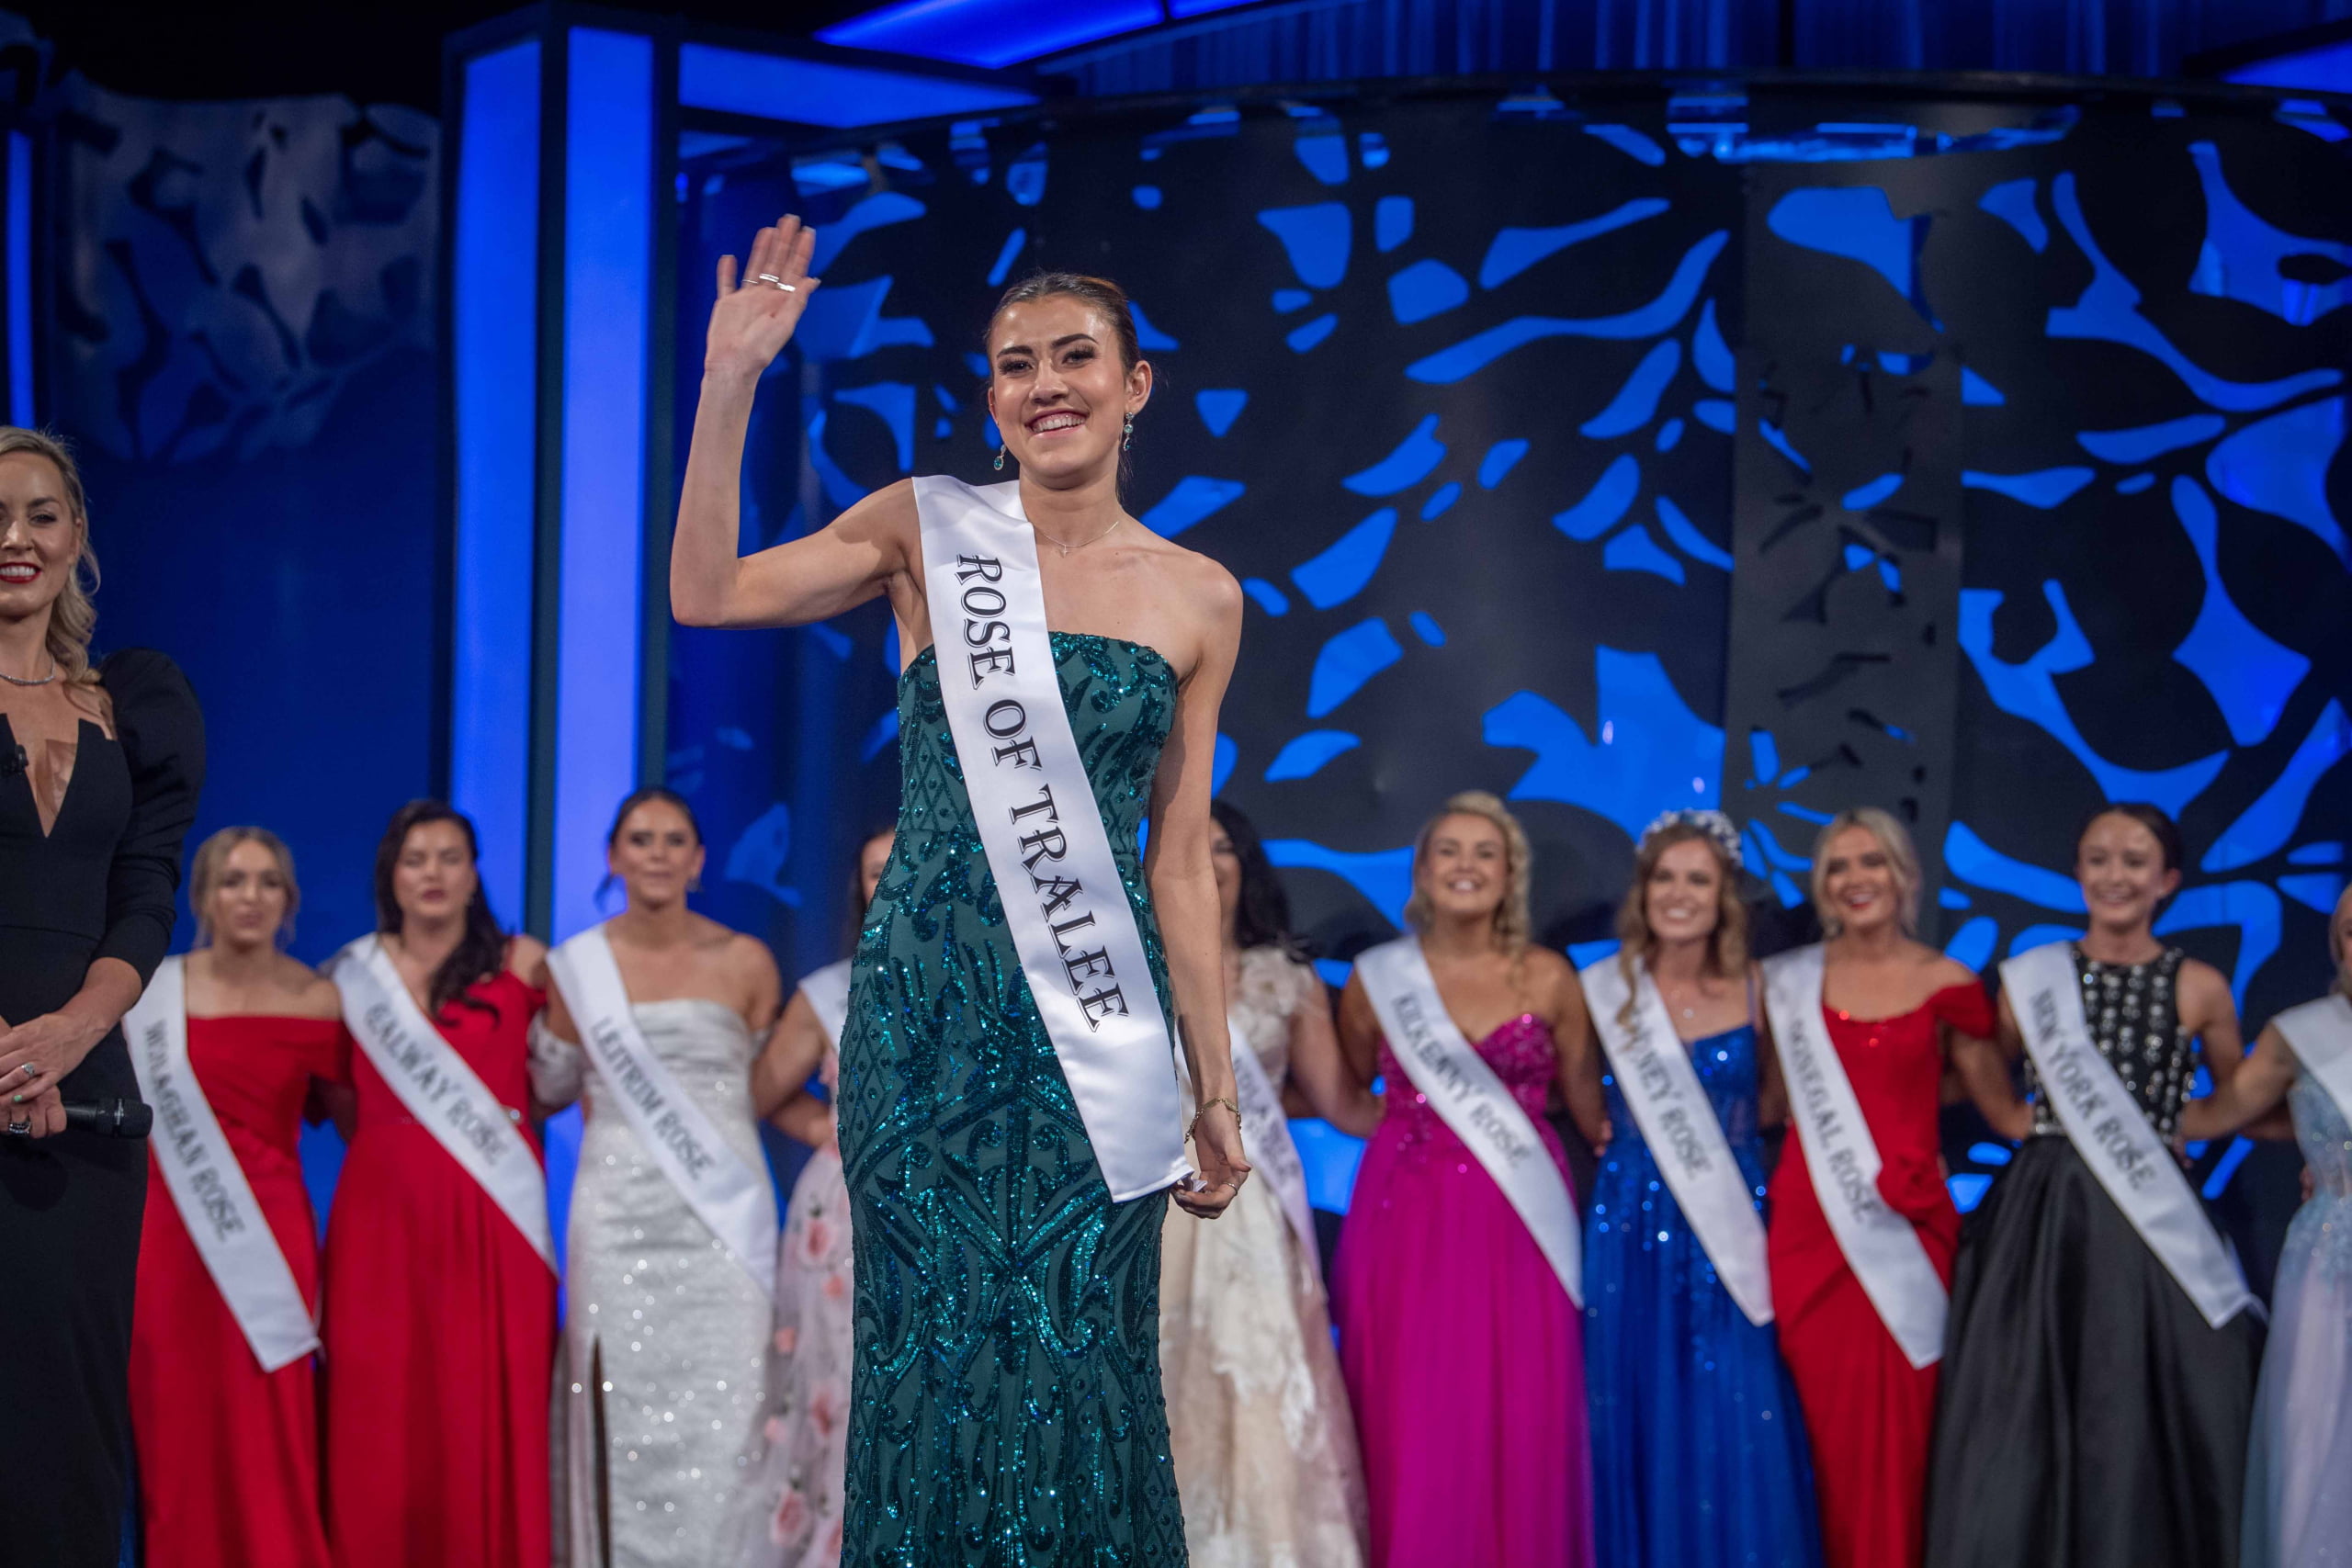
99, 884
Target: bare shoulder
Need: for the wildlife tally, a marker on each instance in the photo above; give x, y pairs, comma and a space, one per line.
751, 957
527, 957
1548, 971
1943, 972
890, 509
2204, 991
315, 996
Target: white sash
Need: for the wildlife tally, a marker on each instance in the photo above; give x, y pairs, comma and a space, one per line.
1266, 1133
2113, 1135
445, 1095
1473, 1102
1662, 1090
207, 1184
724, 1193
1033, 806
827, 993
2319, 1033
1881, 1245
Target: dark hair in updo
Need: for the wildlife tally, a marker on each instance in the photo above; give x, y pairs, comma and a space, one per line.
2153, 819
1100, 293
651, 795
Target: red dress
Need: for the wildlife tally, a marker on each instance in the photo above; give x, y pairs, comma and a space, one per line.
440, 1330
1870, 1412
228, 1453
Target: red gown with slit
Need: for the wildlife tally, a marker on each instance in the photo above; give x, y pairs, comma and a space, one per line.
229, 1453
1870, 1414
440, 1329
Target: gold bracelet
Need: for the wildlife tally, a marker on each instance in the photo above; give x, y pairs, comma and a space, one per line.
1219, 1100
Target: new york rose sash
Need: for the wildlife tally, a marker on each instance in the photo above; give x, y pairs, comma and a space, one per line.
2319, 1033
1265, 1131
724, 1193
827, 993
1879, 1244
1064, 905
2113, 1136
1662, 1090
207, 1184
445, 1095
1473, 1102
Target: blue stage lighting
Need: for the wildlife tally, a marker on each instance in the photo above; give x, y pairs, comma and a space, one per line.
810, 92
994, 32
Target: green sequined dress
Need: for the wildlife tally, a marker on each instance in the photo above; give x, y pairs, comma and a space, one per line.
1004, 1403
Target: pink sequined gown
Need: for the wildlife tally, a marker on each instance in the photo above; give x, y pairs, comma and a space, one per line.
1463, 1356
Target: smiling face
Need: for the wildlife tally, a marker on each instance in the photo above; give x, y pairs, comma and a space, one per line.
1465, 872
656, 854
2121, 867
1682, 901
39, 536
1861, 890
1056, 389
246, 903
434, 879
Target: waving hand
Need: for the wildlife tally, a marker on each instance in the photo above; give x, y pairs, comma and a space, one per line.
755, 317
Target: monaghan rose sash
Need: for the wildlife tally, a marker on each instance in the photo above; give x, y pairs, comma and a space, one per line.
1879, 1244
445, 1095
207, 1184
2113, 1136
724, 1193
827, 993
1662, 1090
1464, 1091
2319, 1033
1265, 1132
1033, 806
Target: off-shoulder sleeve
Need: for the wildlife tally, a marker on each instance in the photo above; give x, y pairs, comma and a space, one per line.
162, 732
1966, 1008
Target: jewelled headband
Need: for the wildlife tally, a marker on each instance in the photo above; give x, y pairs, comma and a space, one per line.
1715, 824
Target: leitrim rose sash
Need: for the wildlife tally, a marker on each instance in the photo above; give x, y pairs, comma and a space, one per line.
445, 1095
1662, 1090
2319, 1033
1064, 905
1266, 1132
724, 1193
1879, 1244
827, 993
1464, 1091
207, 1186
2113, 1136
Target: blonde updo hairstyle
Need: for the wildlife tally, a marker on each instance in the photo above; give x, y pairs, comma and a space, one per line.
213, 859
72, 615
1726, 944
1902, 855
1514, 925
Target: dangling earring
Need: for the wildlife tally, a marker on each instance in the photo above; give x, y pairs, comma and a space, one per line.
1000, 460
1128, 438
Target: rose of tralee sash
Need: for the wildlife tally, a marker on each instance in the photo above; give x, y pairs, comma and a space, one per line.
207, 1184
1677, 1121
1464, 1090
1879, 1244
445, 1095
2114, 1137
827, 993
724, 1193
1064, 905
2319, 1033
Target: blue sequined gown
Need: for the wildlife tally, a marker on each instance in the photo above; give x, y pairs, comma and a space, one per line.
1698, 1454
1005, 1403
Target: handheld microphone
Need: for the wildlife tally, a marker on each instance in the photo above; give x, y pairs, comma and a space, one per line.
110, 1118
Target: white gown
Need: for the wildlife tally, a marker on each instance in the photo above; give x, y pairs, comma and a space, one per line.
1259, 1423
666, 1338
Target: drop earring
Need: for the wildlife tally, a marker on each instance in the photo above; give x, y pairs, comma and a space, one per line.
1127, 438
1000, 460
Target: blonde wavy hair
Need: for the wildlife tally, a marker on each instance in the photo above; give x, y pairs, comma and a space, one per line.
72, 615
212, 857
1902, 857
1514, 925
1726, 946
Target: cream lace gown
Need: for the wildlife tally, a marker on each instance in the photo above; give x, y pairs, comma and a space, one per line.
1257, 1417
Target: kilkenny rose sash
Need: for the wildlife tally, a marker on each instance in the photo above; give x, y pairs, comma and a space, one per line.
1662, 1090
1064, 905
724, 1193
2114, 1137
1464, 1091
445, 1095
2319, 1033
1879, 1244
827, 993
1265, 1131
207, 1184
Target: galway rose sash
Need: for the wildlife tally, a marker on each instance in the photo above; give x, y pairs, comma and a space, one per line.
1064, 905
724, 1193
827, 993
1473, 1102
2319, 1033
1879, 1244
1265, 1127
1662, 1090
2113, 1136
207, 1186
445, 1095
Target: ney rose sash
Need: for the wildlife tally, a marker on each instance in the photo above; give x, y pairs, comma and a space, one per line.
1265, 1130
2319, 1033
1879, 1244
827, 993
1473, 1102
1662, 1090
1064, 905
445, 1095
2113, 1136
724, 1193
207, 1184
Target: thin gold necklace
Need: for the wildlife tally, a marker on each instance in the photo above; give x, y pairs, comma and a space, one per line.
1083, 543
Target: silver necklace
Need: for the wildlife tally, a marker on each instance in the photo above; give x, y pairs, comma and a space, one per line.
1081, 545
20, 680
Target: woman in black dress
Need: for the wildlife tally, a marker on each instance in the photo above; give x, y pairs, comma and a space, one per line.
99, 768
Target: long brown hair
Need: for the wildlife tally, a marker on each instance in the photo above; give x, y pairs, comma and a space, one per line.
1726, 945
1100, 293
72, 615
481, 952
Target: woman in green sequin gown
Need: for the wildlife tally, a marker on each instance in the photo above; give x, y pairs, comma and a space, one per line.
1005, 1397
